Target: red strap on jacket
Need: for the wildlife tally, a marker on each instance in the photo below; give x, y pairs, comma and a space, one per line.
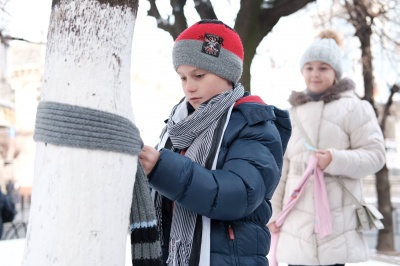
249, 99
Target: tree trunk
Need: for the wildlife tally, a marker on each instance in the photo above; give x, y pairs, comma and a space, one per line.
81, 198
364, 35
385, 236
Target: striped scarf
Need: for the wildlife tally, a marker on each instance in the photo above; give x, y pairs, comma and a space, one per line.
195, 134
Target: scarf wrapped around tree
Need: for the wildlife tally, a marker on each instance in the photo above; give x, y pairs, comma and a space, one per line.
77, 126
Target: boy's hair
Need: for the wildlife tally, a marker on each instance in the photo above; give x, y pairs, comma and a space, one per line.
213, 46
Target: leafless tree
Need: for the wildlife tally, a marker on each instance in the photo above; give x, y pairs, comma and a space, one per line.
368, 17
254, 20
3, 4
5, 38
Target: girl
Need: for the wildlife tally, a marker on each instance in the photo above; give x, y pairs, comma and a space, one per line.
349, 145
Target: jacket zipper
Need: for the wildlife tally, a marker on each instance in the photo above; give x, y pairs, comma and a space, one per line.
231, 235
230, 232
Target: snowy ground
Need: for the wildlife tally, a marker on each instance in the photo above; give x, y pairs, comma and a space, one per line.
11, 253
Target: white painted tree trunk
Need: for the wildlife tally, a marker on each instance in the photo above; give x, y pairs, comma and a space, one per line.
81, 198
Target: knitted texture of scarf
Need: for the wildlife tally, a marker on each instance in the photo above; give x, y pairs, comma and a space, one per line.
195, 134
81, 127
145, 243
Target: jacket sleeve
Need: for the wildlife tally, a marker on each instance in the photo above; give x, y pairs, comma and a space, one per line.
366, 155
234, 190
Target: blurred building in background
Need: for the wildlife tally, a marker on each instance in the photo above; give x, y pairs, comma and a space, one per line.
21, 73
392, 139
7, 117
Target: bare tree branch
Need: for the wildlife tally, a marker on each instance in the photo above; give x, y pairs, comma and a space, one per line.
178, 17
3, 5
5, 39
393, 90
280, 8
153, 12
180, 22
205, 9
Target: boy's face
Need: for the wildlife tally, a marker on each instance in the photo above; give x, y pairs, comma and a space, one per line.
318, 76
200, 85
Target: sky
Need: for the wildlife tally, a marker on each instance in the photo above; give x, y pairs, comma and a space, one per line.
29, 18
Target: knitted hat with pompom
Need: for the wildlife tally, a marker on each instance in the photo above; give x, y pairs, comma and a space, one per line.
210, 45
326, 49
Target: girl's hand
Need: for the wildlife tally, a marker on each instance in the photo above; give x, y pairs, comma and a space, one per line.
148, 158
273, 228
324, 158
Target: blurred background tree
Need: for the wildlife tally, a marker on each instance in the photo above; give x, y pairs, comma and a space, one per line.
254, 20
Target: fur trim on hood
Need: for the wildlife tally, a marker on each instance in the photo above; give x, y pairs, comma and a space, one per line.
332, 93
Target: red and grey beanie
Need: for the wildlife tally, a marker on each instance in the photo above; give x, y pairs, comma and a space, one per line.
210, 45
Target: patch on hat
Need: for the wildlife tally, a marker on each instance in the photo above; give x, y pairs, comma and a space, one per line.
211, 44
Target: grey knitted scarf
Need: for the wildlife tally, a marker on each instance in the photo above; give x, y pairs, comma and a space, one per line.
75, 126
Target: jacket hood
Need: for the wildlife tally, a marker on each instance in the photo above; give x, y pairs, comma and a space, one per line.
255, 110
332, 93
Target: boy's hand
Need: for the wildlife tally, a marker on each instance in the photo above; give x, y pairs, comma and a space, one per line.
148, 158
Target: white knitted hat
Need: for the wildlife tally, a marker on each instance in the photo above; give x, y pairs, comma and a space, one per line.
325, 50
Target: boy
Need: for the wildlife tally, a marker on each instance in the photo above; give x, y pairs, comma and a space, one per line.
219, 158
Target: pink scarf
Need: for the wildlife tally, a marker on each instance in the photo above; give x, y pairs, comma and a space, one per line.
323, 220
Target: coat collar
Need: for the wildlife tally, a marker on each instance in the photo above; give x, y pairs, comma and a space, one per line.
332, 94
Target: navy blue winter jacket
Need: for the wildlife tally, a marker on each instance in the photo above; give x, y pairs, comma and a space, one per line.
236, 196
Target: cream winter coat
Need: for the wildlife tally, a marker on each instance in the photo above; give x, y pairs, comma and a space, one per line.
346, 126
